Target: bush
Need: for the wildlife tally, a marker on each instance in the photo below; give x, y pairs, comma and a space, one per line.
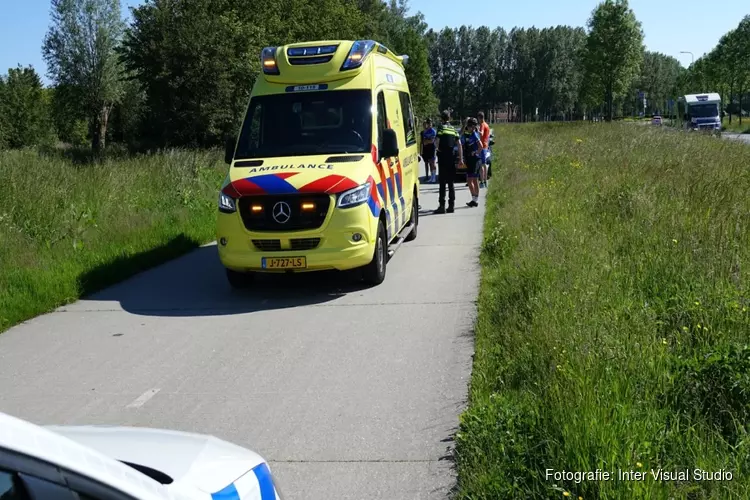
715, 387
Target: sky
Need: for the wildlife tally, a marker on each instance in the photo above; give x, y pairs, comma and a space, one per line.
670, 26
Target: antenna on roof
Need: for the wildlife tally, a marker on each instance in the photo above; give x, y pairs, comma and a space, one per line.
404, 59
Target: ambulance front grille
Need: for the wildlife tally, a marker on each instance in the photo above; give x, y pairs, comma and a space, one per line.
268, 245
305, 243
289, 213
296, 244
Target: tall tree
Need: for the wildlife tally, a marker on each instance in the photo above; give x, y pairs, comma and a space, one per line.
658, 79
80, 51
197, 61
390, 24
24, 110
614, 49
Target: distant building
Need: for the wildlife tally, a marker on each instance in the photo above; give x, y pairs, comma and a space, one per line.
505, 112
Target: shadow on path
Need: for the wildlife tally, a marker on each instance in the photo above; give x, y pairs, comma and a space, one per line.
195, 285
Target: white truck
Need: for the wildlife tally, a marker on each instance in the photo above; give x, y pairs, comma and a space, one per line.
701, 112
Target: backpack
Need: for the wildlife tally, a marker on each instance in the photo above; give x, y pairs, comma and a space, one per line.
492, 137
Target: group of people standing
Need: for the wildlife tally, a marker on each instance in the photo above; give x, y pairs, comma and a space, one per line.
453, 149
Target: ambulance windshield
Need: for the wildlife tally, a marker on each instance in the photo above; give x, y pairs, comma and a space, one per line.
307, 123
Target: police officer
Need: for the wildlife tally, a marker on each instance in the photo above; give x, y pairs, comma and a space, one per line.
447, 139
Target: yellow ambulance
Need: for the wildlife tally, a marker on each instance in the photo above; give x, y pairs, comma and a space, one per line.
324, 172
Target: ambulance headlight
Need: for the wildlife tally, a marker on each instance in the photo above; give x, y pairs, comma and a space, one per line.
227, 204
354, 197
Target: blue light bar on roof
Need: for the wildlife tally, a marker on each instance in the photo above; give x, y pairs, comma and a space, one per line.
359, 51
268, 61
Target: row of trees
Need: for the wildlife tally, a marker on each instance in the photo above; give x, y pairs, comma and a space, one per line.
556, 72
180, 73
726, 69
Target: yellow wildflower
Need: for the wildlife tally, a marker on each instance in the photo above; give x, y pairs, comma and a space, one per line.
639, 465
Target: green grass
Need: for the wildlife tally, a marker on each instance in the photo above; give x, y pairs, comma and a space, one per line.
67, 230
735, 126
614, 315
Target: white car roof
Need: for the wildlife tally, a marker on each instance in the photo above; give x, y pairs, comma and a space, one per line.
193, 460
34, 441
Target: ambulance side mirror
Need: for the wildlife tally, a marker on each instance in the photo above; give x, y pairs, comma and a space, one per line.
229, 151
389, 144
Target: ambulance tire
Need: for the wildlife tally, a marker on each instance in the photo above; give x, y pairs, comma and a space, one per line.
374, 272
414, 219
239, 280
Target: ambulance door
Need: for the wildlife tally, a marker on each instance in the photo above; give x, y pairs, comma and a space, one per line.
385, 181
401, 191
409, 154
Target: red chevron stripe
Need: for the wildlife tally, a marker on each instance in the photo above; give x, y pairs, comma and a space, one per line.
230, 191
286, 175
321, 185
374, 191
344, 185
381, 172
245, 187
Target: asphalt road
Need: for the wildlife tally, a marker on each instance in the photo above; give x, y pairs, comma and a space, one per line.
737, 137
350, 393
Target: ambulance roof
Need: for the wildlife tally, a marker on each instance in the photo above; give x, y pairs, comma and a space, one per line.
322, 60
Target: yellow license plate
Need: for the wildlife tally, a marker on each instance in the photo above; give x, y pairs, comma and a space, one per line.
283, 262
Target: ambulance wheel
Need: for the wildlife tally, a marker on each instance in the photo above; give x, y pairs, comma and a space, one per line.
374, 272
414, 219
239, 280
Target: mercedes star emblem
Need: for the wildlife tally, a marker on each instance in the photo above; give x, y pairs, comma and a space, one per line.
282, 212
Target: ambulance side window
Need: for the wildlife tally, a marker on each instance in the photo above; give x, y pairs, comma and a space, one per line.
408, 115
382, 119
255, 118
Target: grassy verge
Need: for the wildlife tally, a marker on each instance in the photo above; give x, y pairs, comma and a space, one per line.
67, 230
735, 126
613, 316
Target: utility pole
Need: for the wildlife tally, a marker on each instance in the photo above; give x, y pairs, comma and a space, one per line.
692, 57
